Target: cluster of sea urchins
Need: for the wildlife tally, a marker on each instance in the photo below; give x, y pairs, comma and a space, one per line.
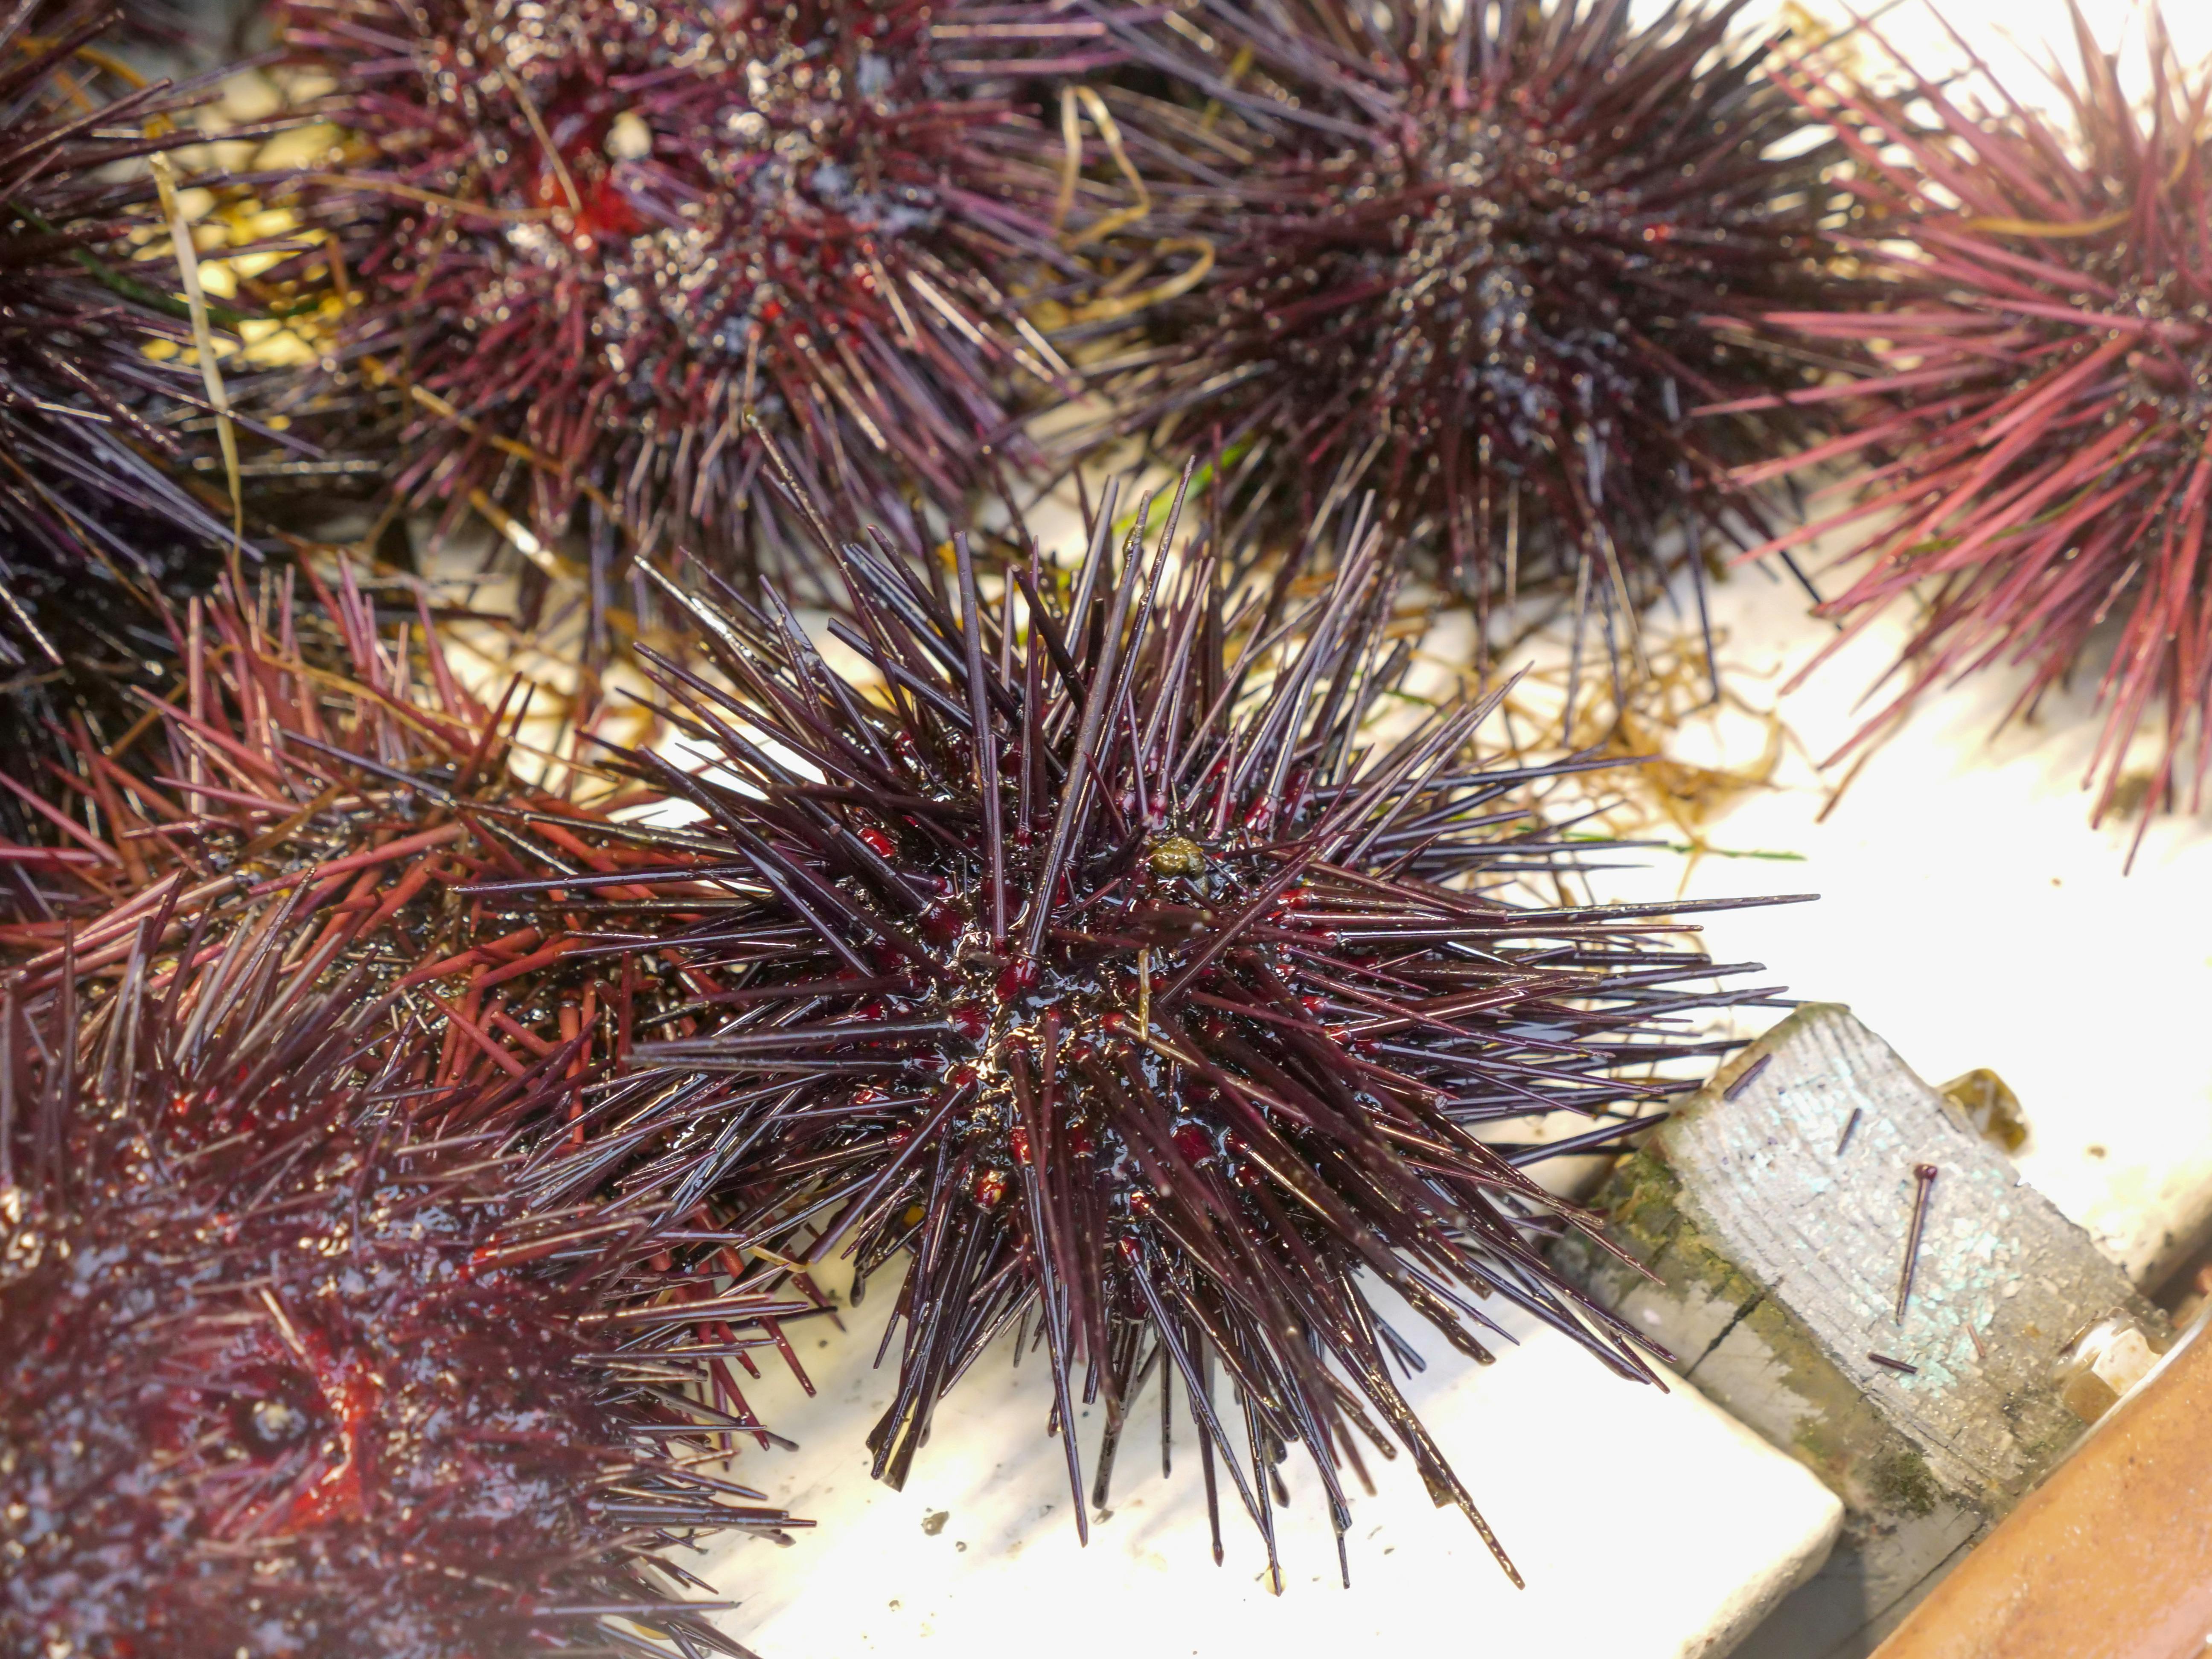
2040, 391
312, 1377
1496, 270
1103, 961
90, 504
594, 240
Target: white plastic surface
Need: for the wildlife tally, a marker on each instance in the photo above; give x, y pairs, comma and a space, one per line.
1647, 1525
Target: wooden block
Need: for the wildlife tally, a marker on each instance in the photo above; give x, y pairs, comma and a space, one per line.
1780, 1257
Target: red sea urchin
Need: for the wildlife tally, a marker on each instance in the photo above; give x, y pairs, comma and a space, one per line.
1166, 1014
593, 239
1493, 268
322, 754
2040, 397
283, 1380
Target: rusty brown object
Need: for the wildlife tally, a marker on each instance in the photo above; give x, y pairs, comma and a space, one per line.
2107, 1559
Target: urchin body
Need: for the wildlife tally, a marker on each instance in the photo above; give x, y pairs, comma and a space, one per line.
613, 236
1161, 1018
1494, 269
1431, 294
289, 1378
270, 1427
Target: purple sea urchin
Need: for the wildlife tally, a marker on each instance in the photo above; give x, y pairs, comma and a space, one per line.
2037, 400
305, 745
1492, 268
592, 241
103, 414
89, 504
281, 1380
1105, 960
313, 743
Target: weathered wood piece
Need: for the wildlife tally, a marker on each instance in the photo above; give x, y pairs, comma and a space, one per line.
1777, 1222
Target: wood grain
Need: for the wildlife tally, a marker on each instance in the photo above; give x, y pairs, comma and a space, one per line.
1779, 1258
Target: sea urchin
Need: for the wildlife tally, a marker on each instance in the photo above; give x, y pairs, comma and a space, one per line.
283, 1380
2040, 391
1491, 267
1105, 961
594, 240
